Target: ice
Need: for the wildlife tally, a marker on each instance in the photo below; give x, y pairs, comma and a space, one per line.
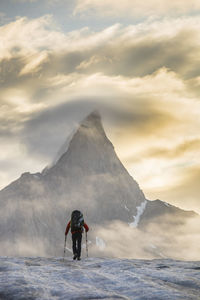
98, 278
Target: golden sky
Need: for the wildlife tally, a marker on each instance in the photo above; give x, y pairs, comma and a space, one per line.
137, 62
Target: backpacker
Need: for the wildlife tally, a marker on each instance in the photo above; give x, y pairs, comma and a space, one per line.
77, 221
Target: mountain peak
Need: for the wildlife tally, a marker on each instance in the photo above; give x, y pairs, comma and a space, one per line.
95, 114
88, 141
92, 119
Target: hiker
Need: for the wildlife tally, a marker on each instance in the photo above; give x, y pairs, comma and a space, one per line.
76, 224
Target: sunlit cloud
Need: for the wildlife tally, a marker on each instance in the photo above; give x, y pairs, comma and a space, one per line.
34, 62
135, 8
187, 146
183, 188
143, 78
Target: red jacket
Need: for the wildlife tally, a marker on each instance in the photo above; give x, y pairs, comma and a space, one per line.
69, 225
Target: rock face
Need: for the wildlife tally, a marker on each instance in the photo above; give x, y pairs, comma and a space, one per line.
88, 176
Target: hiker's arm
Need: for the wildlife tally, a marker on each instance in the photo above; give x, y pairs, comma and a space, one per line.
86, 227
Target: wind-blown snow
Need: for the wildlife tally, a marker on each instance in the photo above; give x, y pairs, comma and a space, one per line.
140, 211
62, 150
95, 278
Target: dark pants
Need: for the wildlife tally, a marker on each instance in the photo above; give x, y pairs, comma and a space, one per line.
76, 243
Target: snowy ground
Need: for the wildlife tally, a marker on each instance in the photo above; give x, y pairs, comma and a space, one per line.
97, 278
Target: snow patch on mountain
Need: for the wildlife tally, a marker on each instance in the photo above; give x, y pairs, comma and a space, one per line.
140, 211
36, 176
167, 204
126, 208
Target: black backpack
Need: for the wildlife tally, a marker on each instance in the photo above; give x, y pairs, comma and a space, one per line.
77, 221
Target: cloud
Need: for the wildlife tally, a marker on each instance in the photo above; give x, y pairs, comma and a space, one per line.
151, 243
187, 147
131, 51
138, 115
189, 187
47, 130
35, 35
184, 191
135, 8
130, 55
169, 172
143, 78
34, 63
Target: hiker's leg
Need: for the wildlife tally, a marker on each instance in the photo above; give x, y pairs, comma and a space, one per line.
74, 248
79, 239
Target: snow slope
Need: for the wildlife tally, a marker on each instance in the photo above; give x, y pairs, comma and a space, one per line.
97, 278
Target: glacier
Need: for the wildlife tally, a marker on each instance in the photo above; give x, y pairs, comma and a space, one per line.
37, 278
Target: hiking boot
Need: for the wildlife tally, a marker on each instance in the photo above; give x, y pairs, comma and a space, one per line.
78, 258
75, 256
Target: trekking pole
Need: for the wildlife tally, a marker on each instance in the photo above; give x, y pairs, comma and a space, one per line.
64, 247
86, 243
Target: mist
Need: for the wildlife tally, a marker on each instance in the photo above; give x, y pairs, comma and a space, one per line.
116, 240
159, 239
